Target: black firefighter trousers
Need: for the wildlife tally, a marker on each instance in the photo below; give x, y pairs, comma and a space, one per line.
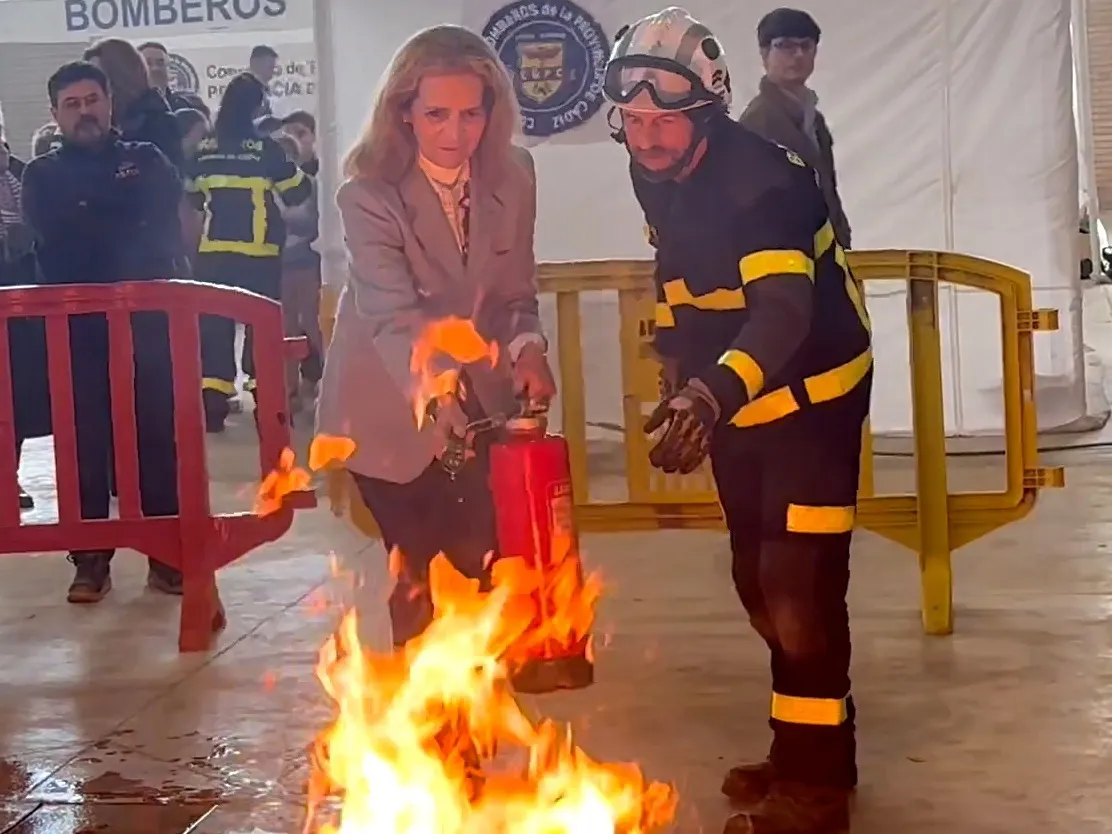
789, 492
262, 275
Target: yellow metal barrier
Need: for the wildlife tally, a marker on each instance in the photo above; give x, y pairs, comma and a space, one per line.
933, 522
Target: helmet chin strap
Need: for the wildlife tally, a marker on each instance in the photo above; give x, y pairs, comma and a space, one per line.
702, 119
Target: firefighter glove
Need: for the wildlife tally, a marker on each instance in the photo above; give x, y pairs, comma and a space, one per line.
685, 422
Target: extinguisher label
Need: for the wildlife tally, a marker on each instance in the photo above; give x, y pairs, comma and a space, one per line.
561, 509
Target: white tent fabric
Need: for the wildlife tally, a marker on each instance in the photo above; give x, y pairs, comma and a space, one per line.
954, 130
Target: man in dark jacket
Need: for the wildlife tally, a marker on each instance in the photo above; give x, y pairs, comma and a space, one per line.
785, 111
157, 58
103, 211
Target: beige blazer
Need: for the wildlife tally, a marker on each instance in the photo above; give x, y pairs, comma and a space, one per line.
405, 269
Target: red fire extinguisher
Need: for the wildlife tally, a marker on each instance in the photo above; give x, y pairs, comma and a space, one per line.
530, 479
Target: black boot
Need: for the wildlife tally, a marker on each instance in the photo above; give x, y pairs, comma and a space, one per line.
92, 579
795, 808
748, 784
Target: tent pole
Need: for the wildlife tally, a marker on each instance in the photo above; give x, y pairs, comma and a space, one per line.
331, 247
1083, 107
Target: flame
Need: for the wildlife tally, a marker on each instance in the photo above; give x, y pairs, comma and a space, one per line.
417, 743
451, 337
288, 477
562, 602
411, 749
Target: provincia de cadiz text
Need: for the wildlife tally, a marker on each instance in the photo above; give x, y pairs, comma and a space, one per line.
113, 15
294, 78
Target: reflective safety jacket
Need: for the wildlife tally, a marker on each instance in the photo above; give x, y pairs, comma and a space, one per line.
234, 182
754, 295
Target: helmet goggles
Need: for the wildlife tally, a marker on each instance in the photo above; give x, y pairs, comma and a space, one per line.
670, 86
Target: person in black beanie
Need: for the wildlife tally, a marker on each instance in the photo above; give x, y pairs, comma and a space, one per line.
785, 110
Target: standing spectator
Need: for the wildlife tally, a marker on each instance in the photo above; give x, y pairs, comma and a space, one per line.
194, 126
264, 66
785, 110
269, 125
139, 111
301, 125
301, 289
26, 337
104, 210
157, 59
140, 114
244, 233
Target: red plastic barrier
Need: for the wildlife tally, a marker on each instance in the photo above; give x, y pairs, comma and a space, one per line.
196, 541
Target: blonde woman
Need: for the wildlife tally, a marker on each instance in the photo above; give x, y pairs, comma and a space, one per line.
438, 211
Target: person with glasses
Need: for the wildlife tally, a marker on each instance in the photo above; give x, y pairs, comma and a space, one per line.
766, 347
785, 110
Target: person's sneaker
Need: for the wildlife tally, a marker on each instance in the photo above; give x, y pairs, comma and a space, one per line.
164, 579
749, 784
26, 502
92, 578
793, 808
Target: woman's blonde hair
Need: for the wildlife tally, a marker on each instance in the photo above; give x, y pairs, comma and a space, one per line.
387, 148
126, 71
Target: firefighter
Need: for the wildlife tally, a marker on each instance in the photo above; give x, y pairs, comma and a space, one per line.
765, 344
236, 180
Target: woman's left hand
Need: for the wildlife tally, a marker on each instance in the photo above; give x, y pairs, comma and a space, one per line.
532, 377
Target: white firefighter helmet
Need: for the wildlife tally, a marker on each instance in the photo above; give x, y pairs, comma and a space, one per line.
667, 61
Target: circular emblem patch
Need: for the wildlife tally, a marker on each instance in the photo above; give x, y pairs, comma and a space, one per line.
556, 54
183, 76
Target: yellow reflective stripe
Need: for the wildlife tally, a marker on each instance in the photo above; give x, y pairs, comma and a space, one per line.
747, 369
677, 294
290, 182
211, 383
853, 289
257, 186
806, 519
824, 387
822, 712
768, 262
240, 247
824, 238
773, 406
839, 381
664, 315
211, 181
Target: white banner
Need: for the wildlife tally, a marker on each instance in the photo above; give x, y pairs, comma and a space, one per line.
556, 53
207, 71
53, 21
